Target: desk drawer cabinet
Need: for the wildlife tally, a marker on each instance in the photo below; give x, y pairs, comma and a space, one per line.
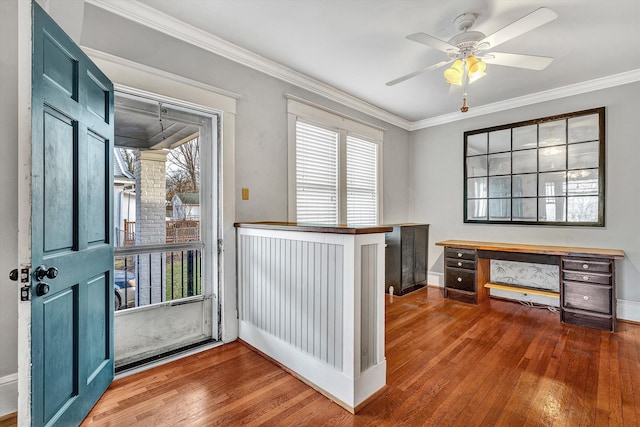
587, 294
461, 275
459, 278
454, 253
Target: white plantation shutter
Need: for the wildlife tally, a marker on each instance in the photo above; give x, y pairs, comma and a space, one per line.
362, 200
316, 174
333, 175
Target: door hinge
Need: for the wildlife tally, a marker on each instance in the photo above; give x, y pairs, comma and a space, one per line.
220, 246
24, 280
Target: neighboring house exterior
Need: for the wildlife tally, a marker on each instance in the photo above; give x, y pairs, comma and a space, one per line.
124, 199
186, 206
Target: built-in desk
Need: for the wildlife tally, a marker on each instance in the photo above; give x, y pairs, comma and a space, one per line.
587, 276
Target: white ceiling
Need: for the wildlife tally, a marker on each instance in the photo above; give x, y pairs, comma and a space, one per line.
356, 46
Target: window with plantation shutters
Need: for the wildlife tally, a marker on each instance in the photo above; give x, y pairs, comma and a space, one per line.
334, 163
316, 174
362, 200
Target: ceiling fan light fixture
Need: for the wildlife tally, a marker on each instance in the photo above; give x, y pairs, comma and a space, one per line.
453, 74
476, 67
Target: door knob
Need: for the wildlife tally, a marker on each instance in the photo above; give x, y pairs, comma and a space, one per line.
14, 275
42, 289
42, 272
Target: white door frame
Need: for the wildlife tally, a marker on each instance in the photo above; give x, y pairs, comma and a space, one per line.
24, 206
134, 78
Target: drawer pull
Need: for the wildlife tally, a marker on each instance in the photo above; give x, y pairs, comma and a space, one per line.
585, 266
459, 264
586, 297
459, 279
585, 277
460, 255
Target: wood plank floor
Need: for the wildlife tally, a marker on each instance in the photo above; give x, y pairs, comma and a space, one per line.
449, 364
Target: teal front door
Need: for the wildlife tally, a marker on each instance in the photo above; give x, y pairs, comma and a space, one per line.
71, 247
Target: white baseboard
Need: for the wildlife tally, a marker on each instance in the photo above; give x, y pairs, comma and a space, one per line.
8, 394
435, 279
628, 310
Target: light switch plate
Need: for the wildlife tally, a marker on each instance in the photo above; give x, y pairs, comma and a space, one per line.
245, 194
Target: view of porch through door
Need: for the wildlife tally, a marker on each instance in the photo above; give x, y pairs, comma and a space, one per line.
163, 228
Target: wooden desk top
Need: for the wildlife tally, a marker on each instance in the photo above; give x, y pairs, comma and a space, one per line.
535, 249
315, 228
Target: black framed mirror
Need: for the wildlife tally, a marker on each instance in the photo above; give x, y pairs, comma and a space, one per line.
547, 171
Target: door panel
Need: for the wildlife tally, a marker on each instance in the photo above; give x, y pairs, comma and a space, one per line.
96, 340
58, 176
72, 142
97, 190
59, 66
59, 330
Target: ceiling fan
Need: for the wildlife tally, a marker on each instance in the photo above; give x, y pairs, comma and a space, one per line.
469, 50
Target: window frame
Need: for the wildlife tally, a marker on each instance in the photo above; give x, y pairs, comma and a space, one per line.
301, 110
600, 222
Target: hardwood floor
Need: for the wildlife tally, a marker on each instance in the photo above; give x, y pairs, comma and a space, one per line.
449, 364
9, 420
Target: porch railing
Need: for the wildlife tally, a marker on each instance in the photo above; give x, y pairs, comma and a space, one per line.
177, 231
151, 274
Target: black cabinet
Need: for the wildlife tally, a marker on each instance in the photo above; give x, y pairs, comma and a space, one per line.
406, 257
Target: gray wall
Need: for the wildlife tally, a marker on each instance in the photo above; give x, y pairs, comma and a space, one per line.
8, 188
422, 171
261, 137
261, 123
437, 183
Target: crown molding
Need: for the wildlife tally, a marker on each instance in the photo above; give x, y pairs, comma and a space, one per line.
152, 18
534, 98
100, 55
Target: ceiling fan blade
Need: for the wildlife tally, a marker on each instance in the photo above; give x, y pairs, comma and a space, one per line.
415, 73
527, 23
434, 42
516, 60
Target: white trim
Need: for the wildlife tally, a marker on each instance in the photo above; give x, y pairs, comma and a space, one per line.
11, 378
534, 98
24, 204
327, 117
8, 394
296, 99
152, 18
628, 310
140, 80
97, 54
435, 279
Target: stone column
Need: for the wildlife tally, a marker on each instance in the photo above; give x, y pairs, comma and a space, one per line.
151, 223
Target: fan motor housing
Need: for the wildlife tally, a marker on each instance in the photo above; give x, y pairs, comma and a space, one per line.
467, 39
465, 21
